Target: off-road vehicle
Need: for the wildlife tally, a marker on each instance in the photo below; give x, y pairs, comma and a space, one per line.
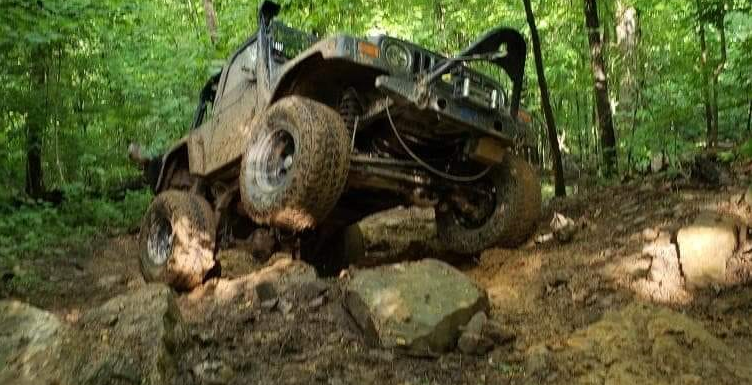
298, 138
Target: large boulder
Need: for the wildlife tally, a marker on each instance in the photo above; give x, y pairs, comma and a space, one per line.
139, 333
705, 248
129, 340
35, 347
417, 307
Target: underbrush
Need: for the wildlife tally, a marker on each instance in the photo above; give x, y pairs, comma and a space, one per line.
33, 229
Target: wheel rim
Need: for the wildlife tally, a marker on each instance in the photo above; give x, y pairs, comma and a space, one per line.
272, 160
474, 212
159, 244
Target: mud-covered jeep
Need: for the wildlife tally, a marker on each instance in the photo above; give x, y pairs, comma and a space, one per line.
299, 138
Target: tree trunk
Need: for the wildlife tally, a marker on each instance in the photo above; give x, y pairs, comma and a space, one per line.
211, 21
36, 122
749, 117
603, 106
704, 71
713, 134
546, 103
627, 41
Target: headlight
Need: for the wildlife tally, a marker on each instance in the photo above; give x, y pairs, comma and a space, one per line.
397, 56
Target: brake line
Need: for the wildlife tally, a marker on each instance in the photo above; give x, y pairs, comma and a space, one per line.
424, 164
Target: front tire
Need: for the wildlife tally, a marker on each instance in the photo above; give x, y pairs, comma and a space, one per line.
295, 166
177, 240
517, 207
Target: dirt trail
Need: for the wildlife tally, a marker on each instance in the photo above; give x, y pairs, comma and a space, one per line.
549, 295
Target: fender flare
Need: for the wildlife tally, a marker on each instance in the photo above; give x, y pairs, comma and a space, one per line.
175, 154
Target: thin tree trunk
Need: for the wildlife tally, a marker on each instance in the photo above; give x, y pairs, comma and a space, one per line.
705, 81
713, 134
627, 41
632, 131
36, 122
546, 104
211, 21
749, 117
603, 106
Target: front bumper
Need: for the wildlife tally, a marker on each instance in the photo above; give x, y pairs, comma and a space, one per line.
441, 99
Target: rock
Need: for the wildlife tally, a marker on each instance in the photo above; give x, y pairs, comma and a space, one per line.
35, 347
563, 228
316, 302
259, 286
265, 291
129, 339
472, 341
657, 163
143, 331
649, 234
496, 333
664, 283
537, 359
284, 306
110, 281
269, 304
212, 372
639, 220
543, 238
705, 248
748, 196
417, 307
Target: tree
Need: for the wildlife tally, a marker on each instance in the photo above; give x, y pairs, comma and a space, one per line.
603, 106
706, 84
211, 21
36, 121
627, 41
546, 103
718, 16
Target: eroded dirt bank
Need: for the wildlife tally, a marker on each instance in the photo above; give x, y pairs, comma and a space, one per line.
580, 312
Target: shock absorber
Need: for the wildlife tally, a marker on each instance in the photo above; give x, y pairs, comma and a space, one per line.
350, 108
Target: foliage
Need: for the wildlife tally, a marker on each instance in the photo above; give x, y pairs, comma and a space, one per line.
117, 71
33, 227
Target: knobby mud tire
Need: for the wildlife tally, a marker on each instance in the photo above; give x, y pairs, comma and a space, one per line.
177, 240
518, 208
314, 184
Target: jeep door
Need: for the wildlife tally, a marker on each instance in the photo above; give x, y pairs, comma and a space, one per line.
220, 139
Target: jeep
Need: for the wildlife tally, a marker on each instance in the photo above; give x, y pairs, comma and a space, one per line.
300, 137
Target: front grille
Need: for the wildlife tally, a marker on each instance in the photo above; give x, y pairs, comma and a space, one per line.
422, 62
467, 85
471, 88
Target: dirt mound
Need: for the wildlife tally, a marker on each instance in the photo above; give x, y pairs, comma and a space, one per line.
644, 344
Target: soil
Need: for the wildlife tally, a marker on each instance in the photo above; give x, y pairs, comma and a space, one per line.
547, 295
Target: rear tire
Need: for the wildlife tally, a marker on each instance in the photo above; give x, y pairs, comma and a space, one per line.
177, 241
295, 166
514, 217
